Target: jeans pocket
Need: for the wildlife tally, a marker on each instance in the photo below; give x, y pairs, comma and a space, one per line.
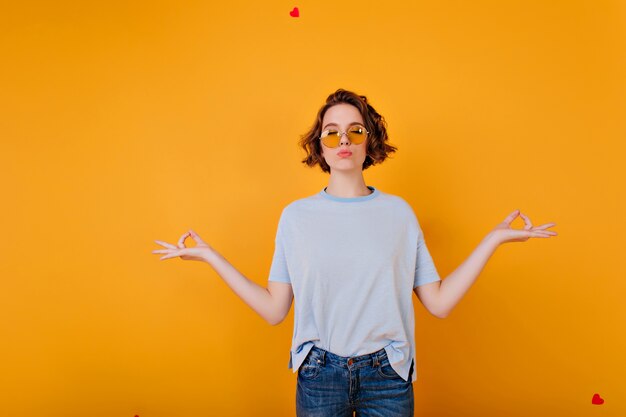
311, 367
386, 370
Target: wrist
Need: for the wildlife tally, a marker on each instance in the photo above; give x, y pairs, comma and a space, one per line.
493, 238
210, 256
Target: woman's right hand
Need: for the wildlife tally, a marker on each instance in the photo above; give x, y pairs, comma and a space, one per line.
200, 252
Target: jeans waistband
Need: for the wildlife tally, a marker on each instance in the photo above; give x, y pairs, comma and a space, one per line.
352, 362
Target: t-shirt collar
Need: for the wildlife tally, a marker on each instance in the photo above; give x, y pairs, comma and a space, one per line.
358, 199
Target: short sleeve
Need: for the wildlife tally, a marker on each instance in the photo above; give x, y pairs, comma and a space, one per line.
278, 270
425, 270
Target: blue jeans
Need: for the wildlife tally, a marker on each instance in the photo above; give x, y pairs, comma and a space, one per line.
332, 385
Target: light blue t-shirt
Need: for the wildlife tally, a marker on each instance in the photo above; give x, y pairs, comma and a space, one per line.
353, 264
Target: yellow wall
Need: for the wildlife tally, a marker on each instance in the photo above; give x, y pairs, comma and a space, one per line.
122, 124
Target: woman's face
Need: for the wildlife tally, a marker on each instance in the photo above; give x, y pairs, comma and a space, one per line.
341, 117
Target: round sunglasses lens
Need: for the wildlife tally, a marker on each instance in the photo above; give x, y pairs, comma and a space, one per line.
330, 138
357, 135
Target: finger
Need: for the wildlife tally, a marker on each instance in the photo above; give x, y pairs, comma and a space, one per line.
167, 245
529, 225
545, 226
171, 255
195, 236
541, 235
181, 241
549, 232
160, 251
511, 217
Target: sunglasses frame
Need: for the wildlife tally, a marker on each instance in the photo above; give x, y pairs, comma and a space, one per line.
367, 132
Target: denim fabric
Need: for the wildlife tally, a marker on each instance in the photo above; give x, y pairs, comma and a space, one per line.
331, 385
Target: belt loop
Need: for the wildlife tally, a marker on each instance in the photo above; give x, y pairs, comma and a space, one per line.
323, 358
375, 360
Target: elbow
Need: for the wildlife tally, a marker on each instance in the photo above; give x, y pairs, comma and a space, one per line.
275, 321
442, 309
441, 314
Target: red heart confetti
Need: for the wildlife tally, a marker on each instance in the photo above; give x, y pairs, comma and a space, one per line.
597, 399
294, 12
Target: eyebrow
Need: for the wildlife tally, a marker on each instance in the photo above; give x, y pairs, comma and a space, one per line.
335, 124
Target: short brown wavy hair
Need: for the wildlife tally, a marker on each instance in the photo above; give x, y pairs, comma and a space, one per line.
377, 147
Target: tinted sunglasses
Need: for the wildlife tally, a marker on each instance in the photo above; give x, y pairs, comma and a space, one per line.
332, 137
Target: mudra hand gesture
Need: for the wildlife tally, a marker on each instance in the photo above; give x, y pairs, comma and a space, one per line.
200, 252
504, 233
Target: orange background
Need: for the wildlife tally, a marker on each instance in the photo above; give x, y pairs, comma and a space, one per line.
125, 123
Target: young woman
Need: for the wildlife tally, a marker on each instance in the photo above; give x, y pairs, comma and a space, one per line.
351, 256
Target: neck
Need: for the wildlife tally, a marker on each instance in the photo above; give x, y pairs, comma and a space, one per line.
347, 186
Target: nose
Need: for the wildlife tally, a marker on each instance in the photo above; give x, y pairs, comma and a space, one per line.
342, 140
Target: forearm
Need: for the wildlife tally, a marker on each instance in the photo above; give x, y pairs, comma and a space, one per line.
455, 285
256, 296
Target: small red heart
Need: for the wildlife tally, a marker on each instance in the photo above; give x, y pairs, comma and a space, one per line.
294, 12
597, 399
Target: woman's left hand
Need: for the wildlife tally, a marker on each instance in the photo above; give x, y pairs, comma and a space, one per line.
503, 232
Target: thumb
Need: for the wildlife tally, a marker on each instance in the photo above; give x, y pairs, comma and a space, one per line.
195, 236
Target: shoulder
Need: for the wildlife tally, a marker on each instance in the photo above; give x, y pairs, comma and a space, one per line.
397, 202
293, 207
296, 207
402, 209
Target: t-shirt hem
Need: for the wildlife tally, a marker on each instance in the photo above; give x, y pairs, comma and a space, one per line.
275, 279
426, 282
